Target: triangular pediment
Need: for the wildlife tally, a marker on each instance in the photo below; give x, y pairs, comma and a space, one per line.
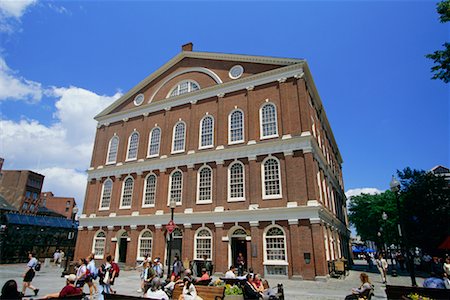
204, 68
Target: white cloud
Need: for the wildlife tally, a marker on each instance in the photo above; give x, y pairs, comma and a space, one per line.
359, 191
13, 87
65, 183
60, 151
15, 8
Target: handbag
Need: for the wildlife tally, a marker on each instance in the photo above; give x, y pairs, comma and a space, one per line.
106, 278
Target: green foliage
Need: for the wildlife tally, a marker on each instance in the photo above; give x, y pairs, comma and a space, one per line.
365, 213
441, 58
426, 208
233, 290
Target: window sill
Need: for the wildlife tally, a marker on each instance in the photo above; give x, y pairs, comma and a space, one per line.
148, 205
204, 202
130, 159
236, 142
104, 208
153, 155
206, 147
176, 152
268, 137
275, 263
236, 200
110, 163
272, 197
124, 207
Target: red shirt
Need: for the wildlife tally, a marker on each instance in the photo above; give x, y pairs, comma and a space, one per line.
69, 290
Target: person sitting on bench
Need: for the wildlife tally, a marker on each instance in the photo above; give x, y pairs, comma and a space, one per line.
363, 291
69, 290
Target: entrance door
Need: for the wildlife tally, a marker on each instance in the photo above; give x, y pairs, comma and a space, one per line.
123, 249
238, 245
177, 245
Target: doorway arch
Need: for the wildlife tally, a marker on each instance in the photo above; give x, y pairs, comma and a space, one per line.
237, 243
123, 238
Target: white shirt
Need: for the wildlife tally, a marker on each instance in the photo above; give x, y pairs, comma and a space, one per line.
81, 270
189, 293
230, 274
158, 294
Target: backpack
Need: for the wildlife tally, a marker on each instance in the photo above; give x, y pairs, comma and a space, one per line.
115, 267
37, 267
93, 273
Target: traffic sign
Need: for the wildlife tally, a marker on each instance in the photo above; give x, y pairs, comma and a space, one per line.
171, 226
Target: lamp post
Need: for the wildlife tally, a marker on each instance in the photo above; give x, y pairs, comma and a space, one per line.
69, 250
395, 188
173, 204
384, 216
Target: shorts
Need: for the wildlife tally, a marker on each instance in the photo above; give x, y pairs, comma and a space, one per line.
80, 283
29, 275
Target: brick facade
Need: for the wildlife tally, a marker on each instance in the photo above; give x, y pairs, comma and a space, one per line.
293, 200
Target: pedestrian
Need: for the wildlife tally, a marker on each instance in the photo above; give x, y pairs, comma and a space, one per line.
249, 290
240, 262
363, 291
56, 257
157, 267
115, 273
177, 269
81, 273
10, 292
437, 267
382, 266
29, 274
104, 275
401, 260
446, 267
93, 273
61, 257
369, 261
230, 273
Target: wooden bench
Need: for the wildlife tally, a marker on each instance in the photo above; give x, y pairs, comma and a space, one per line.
123, 297
401, 292
206, 292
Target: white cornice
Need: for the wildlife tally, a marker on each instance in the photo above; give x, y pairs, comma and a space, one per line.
263, 148
213, 91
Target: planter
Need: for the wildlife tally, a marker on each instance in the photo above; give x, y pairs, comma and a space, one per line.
234, 297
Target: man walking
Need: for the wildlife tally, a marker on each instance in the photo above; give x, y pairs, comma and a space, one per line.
382, 266
29, 275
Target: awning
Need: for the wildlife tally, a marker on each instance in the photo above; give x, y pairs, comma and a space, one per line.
42, 221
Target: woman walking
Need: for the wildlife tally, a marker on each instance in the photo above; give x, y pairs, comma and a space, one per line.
29, 275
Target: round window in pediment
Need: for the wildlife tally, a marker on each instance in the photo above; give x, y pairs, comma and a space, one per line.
236, 72
139, 99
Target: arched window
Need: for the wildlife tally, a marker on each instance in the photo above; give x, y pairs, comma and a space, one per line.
145, 244
275, 258
149, 191
204, 185
98, 247
183, 87
206, 132
105, 198
179, 133
236, 127
271, 180
176, 187
268, 119
236, 185
203, 244
133, 144
127, 193
112, 150
154, 141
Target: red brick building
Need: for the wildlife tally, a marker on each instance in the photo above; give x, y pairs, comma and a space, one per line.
61, 205
243, 146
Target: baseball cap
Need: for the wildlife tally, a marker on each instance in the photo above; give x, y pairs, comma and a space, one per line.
156, 259
71, 277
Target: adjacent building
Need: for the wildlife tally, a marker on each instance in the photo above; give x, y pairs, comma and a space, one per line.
62, 205
241, 146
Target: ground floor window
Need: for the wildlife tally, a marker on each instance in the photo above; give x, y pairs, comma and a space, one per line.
145, 244
99, 245
203, 244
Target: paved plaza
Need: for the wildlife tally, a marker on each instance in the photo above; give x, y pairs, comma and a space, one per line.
49, 280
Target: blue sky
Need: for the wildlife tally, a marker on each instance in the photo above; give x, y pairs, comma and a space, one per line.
62, 62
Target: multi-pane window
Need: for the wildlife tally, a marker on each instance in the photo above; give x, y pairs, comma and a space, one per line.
271, 179
106, 194
112, 150
206, 132
133, 144
184, 87
176, 186
145, 244
150, 190
178, 137
236, 181
204, 190
99, 245
275, 245
268, 115
236, 127
155, 139
203, 244
127, 193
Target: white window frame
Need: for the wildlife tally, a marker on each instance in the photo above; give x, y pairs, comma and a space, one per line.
237, 199
94, 242
177, 86
230, 142
109, 150
129, 144
150, 142
170, 187
198, 185
263, 186
138, 256
101, 196
123, 189
173, 137
145, 190
266, 261
210, 238
201, 133
261, 136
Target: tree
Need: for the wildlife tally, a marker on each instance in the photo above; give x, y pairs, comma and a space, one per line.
441, 58
425, 200
365, 213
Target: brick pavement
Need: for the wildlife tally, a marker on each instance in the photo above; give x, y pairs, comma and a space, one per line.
49, 280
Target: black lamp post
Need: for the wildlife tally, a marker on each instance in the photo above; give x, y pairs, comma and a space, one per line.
173, 204
69, 250
395, 188
384, 216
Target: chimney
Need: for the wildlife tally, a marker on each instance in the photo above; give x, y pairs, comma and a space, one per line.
187, 47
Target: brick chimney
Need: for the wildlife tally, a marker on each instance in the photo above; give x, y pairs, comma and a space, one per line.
187, 47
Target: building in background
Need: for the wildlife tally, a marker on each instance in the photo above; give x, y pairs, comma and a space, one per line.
61, 205
241, 147
443, 172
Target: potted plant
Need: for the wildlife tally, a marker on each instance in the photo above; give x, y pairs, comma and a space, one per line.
233, 292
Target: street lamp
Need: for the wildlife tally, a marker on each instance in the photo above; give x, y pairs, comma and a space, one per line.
172, 204
384, 216
73, 217
395, 188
